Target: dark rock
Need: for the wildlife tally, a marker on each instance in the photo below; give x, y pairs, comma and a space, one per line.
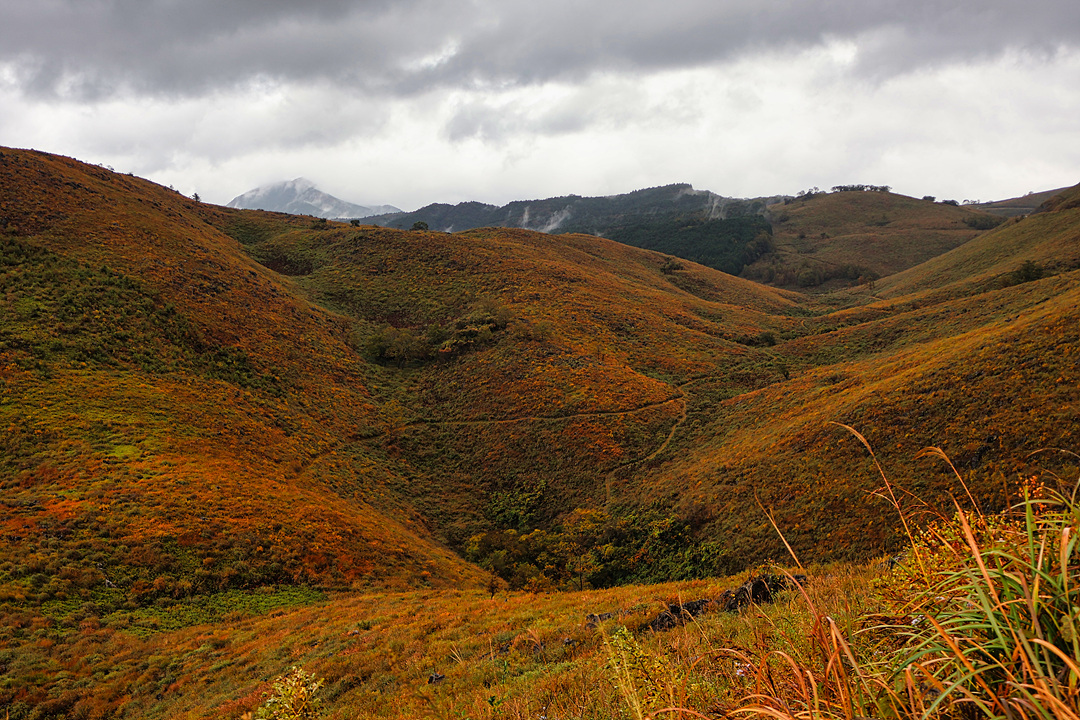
435, 678
594, 619
757, 590
754, 591
496, 651
678, 614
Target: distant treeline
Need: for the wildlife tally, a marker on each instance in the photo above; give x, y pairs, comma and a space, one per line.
576, 214
861, 188
817, 192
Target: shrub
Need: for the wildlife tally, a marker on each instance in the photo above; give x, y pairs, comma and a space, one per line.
1027, 272
809, 277
293, 697
406, 345
983, 222
670, 265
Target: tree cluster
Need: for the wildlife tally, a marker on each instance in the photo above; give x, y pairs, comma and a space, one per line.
724, 244
1028, 271
861, 188
599, 548
809, 193
406, 345
810, 275
983, 222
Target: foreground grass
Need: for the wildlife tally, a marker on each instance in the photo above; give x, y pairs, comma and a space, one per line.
980, 620
977, 619
514, 655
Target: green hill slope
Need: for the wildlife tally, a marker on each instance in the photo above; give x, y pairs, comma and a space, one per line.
1047, 238
836, 239
1019, 206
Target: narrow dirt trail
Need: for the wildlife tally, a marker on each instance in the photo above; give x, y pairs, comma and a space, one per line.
671, 435
674, 428
545, 418
680, 397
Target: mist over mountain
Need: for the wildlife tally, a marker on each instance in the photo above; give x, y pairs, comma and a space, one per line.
301, 197
589, 215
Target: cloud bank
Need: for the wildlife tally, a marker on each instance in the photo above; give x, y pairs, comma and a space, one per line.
196, 86
97, 48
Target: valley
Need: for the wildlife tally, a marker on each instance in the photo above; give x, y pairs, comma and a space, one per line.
237, 440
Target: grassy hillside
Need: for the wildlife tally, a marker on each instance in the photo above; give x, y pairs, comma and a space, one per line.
981, 362
841, 238
622, 390
489, 382
188, 420
177, 418
514, 655
525, 368
1047, 239
1019, 206
834, 644
212, 415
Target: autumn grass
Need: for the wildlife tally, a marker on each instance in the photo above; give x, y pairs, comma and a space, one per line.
977, 619
1001, 625
512, 655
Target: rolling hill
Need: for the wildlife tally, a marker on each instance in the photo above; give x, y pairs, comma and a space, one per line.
209, 407
1020, 206
829, 240
165, 398
822, 241
1047, 239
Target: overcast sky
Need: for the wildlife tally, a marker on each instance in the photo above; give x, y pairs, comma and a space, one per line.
409, 102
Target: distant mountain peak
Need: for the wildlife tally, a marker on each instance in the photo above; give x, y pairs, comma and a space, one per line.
300, 196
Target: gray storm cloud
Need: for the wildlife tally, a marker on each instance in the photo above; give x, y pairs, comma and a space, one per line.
92, 49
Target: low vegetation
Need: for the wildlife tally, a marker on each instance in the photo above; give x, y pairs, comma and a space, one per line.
975, 619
